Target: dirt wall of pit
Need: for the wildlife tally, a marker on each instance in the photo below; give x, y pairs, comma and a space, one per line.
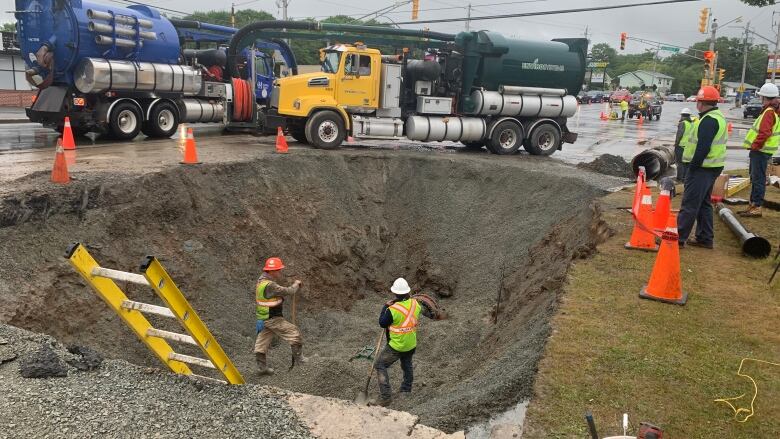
345, 223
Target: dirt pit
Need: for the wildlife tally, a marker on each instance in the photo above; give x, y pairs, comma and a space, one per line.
347, 223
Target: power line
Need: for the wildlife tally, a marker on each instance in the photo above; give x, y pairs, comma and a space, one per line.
449, 8
532, 14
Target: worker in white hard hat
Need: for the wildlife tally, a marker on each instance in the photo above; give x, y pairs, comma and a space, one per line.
399, 317
682, 141
762, 140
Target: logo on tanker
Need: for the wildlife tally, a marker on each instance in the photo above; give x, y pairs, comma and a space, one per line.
546, 67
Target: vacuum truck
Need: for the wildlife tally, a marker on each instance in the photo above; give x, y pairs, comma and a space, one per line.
124, 70
477, 88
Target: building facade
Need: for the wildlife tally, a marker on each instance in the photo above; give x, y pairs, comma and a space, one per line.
639, 78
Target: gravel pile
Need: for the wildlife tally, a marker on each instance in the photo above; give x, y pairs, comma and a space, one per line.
609, 164
118, 399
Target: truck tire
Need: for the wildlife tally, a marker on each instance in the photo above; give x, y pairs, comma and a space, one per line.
474, 146
125, 121
506, 139
163, 121
325, 130
544, 140
298, 132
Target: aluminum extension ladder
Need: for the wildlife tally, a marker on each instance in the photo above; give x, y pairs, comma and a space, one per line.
154, 276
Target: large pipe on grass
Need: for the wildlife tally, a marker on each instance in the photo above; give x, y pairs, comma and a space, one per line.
752, 244
656, 161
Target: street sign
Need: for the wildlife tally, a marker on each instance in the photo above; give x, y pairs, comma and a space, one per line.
597, 64
670, 49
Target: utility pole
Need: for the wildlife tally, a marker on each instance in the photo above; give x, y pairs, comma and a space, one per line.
714, 28
283, 5
741, 90
468, 17
777, 44
587, 32
232, 15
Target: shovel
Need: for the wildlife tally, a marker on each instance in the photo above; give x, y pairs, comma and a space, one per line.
362, 397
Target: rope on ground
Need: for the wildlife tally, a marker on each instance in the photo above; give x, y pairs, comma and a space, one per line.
751, 411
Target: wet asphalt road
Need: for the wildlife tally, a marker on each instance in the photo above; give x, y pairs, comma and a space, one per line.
596, 136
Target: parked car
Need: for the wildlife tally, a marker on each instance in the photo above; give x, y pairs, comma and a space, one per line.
648, 104
583, 97
597, 96
691, 98
676, 97
752, 108
620, 95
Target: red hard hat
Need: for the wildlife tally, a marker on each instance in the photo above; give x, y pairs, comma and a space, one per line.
273, 264
708, 93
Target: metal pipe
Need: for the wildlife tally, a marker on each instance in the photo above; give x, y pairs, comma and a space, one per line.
120, 30
656, 161
192, 24
516, 90
121, 42
118, 18
752, 244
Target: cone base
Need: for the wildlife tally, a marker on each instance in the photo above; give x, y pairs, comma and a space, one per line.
646, 249
190, 163
282, 152
645, 295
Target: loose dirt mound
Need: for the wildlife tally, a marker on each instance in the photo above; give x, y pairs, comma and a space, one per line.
345, 223
609, 164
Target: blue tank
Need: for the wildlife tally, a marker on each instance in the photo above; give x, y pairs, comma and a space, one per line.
75, 29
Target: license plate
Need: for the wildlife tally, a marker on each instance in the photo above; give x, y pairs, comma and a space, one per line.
79, 102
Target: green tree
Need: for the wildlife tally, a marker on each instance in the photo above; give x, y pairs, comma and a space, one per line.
243, 17
759, 3
8, 27
603, 52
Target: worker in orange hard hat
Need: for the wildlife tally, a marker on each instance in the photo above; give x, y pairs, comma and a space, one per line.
706, 156
269, 300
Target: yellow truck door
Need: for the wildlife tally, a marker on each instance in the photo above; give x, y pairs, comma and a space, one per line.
358, 84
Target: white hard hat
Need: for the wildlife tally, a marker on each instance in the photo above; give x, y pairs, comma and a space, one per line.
685, 111
400, 287
768, 90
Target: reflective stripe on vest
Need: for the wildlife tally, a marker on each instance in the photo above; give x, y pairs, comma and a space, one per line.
717, 155
262, 303
403, 330
771, 144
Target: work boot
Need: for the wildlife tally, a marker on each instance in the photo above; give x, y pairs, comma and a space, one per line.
751, 212
297, 351
262, 366
381, 402
695, 243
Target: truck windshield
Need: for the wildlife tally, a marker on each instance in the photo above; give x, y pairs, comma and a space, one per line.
260, 66
331, 62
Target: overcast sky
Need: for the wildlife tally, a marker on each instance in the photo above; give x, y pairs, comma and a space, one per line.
675, 23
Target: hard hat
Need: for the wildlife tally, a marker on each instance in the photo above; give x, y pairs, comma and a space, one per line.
400, 287
273, 264
685, 111
768, 90
708, 93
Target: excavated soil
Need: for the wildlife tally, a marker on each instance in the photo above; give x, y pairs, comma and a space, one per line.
346, 223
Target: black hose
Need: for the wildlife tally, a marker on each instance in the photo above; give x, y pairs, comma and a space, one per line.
752, 244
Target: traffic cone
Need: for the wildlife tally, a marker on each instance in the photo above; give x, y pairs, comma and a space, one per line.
665, 284
67, 136
730, 127
602, 116
640, 119
281, 142
190, 151
350, 139
59, 173
663, 209
641, 237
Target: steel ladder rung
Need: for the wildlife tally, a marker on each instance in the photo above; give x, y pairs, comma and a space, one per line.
148, 308
122, 276
175, 336
191, 360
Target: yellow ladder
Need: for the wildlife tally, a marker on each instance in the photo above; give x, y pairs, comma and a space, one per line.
154, 276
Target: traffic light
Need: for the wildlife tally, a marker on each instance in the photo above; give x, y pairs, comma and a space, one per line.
721, 74
415, 9
623, 37
704, 16
709, 57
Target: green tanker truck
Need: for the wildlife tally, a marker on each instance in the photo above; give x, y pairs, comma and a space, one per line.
477, 88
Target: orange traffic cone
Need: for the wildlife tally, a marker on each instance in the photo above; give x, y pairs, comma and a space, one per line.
730, 127
190, 151
640, 119
602, 116
59, 173
641, 237
67, 136
281, 142
662, 210
665, 284
350, 139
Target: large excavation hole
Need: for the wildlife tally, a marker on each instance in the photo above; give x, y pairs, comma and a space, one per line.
347, 224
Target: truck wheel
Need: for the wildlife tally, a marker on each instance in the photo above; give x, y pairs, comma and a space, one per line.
125, 121
163, 121
325, 130
474, 146
544, 140
506, 139
298, 133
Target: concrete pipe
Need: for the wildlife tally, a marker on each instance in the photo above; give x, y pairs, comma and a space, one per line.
656, 161
752, 244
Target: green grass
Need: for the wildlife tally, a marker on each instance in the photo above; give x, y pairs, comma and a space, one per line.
611, 352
